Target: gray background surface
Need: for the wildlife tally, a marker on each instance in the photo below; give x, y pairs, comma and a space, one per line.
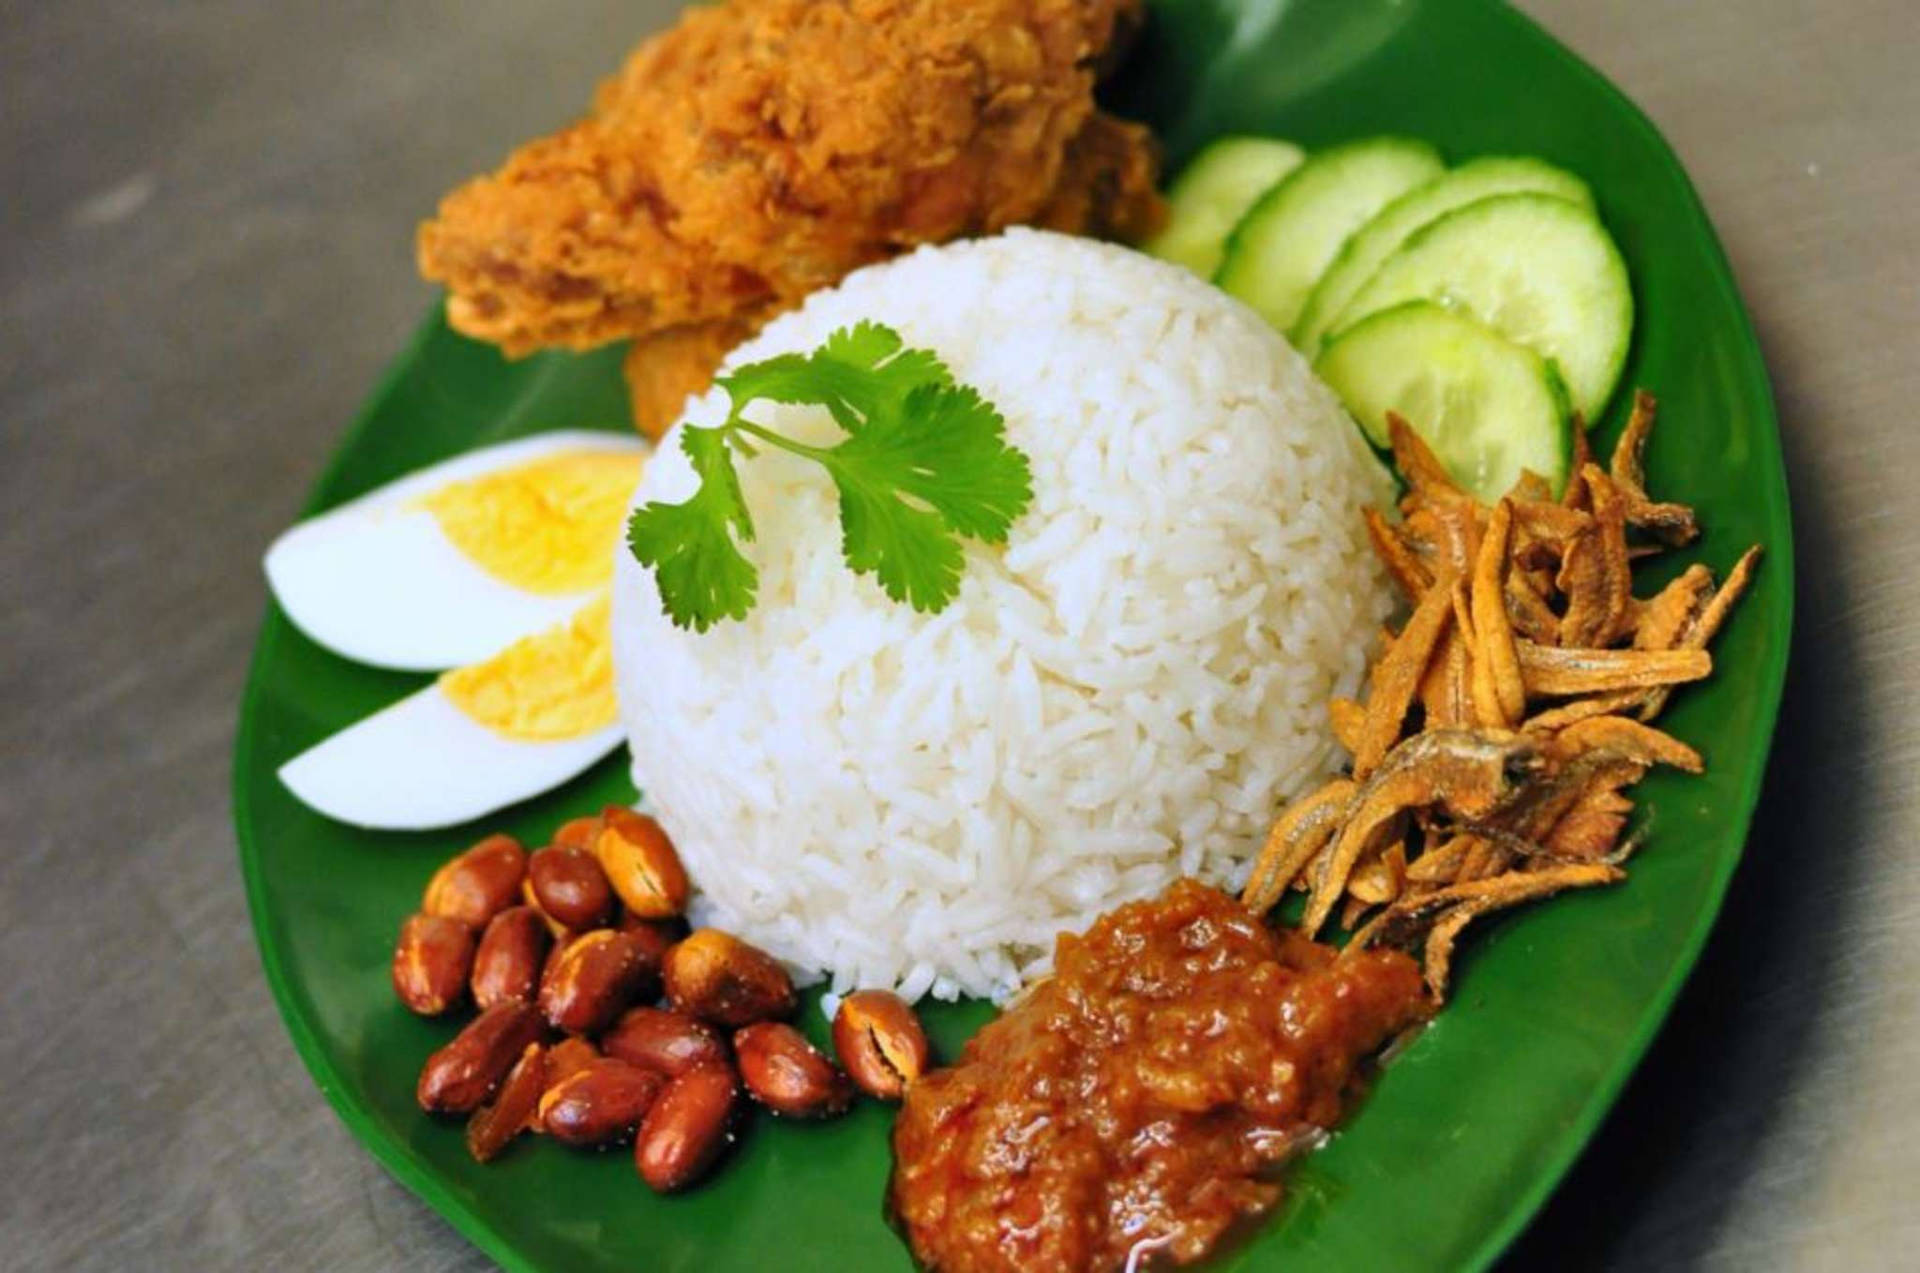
205, 260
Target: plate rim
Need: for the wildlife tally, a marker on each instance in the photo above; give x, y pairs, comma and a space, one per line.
1771, 671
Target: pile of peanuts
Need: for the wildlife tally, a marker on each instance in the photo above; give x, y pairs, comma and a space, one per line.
567, 953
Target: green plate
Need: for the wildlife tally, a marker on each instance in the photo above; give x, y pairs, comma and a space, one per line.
1471, 1128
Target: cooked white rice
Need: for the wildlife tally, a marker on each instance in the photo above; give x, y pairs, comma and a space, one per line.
1122, 695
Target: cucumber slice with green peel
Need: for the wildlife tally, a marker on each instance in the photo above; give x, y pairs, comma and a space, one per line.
1488, 407
1277, 252
1538, 269
1381, 237
1214, 192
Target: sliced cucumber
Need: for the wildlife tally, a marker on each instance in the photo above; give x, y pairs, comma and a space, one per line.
1540, 270
1278, 250
1214, 192
1381, 237
1488, 407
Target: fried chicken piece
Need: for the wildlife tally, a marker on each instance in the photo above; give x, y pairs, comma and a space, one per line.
666, 368
761, 149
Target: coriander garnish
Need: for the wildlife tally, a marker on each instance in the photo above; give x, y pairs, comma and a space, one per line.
925, 462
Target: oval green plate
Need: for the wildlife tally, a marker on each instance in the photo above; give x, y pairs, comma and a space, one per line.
1473, 1125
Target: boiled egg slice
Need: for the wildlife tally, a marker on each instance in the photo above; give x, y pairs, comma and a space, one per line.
447, 565
479, 738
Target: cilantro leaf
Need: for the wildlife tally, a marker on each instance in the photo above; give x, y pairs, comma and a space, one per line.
925, 463
702, 574
905, 548
946, 448
861, 373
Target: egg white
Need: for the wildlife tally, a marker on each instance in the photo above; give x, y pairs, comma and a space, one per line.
423, 763
377, 581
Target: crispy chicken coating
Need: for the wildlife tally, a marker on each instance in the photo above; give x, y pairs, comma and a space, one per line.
761, 149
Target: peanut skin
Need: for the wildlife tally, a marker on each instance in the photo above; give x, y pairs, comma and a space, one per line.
657, 935
689, 1127
570, 887
594, 979
571, 1054
667, 1042
578, 833
600, 1103
787, 1074
493, 1127
641, 864
461, 1076
880, 1042
431, 962
510, 956
719, 978
478, 884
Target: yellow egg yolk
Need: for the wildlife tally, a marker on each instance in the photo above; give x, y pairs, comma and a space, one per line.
552, 685
548, 526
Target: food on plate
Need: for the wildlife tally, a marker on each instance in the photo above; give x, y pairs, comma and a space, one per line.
568, 885
922, 464
478, 739
921, 801
1489, 409
880, 1041
714, 976
787, 1074
593, 977
989, 607
761, 149
512, 952
513, 1110
1486, 303
1373, 243
1135, 1103
1139, 1101
1506, 719
660, 1030
1294, 231
600, 1103
663, 1040
448, 565
431, 963
460, 1077
478, 884
1214, 191
1539, 269
689, 1127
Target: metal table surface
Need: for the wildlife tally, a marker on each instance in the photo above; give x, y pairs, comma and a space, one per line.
205, 260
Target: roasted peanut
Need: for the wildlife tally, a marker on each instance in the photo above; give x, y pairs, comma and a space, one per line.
787, 1074
719, 978
640, 864
688, 1128
569, 887
431, 962
571, 1054
667, 1042
478, 884
457, 1078
657, 936
555, 929
597, 976
577, 833
512, 952
880, 1042
561, 940
600, 1103
493, 1127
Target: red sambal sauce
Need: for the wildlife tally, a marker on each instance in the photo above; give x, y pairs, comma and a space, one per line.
1140, 1101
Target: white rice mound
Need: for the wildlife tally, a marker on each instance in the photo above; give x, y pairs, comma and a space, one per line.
1123, 694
